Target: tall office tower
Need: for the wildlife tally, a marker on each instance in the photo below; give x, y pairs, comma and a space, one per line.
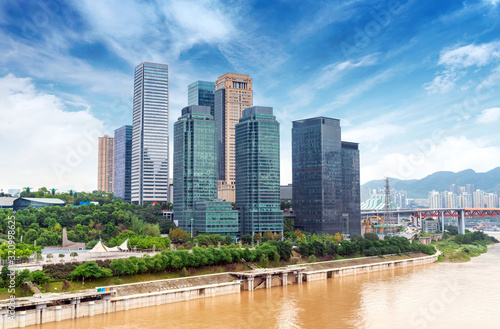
122, 163
202, 93
233, 94
325, 173
150, 134
195, 162
105, 164
258, 171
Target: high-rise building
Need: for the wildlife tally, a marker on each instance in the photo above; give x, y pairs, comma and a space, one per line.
258, 171
150, 133
195, 162
202, 93
122, 163
233, 94
325, 173
105, 164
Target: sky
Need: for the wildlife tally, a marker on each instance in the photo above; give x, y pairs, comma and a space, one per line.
415, 83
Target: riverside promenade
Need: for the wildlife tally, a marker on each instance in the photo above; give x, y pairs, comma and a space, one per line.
52, 307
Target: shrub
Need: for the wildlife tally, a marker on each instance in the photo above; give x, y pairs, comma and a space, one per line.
311, 259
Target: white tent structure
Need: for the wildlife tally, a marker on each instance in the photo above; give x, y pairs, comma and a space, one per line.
99, 247
124, 246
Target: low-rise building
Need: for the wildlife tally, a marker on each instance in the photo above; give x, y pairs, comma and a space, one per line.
23, 203
216, 217
430, 226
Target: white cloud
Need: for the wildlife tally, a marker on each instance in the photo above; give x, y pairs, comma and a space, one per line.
492, 2
487, 116
432, 155
43, 144
470, 55
457, 59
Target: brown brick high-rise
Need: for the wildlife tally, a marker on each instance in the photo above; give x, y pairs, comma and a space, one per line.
105, 164
233, 94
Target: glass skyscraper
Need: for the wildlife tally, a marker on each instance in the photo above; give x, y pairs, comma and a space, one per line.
150, 133
257, 150
195, 162
202, 93
325, 173
122, 163
216, 217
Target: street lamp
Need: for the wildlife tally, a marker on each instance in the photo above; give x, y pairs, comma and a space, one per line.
192, 219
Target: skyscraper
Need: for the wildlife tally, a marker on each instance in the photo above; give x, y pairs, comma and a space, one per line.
233, 94
122, 163
202, 93
150, 133
105, 164
195, 162
258, 171
325, 173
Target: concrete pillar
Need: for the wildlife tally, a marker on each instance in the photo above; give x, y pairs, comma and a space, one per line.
73, 308
442, 221
250, 283
126, 304
299, 277
4, 320
44, 311
285, 279
91, 308
58, 313
461, 222
22, 318
77, 308
268, 281
39, 313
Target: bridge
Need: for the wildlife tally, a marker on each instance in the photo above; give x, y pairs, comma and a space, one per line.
459, 213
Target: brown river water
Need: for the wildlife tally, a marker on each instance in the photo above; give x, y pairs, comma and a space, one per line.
442, 295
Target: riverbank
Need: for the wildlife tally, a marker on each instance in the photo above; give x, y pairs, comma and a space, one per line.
453, 251
65, 306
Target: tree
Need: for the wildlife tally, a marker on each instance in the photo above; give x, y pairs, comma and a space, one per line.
73, 254
257, 237
178, 234
39, 277
89, 270
4, 274
246, 239
22, 277
61, 255
49, 256
264, 261
228, 239
311, 259
371, 236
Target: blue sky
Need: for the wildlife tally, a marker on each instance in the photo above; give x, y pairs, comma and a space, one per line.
416, 83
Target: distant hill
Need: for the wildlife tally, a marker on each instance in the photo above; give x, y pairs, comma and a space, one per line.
441, 181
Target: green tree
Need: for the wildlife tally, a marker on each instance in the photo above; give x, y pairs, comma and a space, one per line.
264, 261
89, 270
39, 277
246, 239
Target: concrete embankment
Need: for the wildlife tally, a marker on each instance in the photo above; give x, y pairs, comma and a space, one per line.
64, 306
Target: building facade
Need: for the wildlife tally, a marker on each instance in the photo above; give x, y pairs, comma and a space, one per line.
202, 93
233, 94
123, 163
195, 162
216, 217
325, 173
105, 160
150, 134
258, 171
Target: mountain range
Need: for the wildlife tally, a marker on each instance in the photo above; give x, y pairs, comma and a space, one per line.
441, 181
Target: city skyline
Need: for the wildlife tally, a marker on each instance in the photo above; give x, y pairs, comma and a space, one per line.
415, 83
